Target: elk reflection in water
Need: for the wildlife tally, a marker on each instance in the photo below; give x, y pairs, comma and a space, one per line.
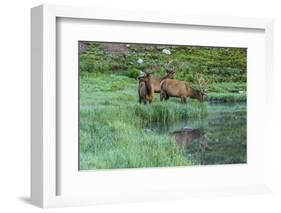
186, 135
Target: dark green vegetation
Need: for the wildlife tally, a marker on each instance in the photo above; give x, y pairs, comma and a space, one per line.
113, 126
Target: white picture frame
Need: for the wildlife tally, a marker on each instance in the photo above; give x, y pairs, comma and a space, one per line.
45, 169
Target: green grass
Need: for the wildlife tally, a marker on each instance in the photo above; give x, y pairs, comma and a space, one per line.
111, 138
112, 122
218, 64
224, 68
227, 97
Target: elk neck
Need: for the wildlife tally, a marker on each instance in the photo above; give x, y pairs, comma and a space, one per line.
168, 75
148, 86
164, 77
194, 93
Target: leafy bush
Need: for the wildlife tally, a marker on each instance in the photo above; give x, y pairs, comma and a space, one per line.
97, 67
133, 73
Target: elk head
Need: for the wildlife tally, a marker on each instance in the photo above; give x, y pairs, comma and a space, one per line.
170, 72
202, 87
144, 76
145, 79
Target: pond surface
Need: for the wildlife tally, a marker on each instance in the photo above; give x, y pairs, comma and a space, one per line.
220, 138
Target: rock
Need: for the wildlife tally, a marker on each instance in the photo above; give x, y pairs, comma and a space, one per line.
140, 61
114, 49
146, 130
166, 51
83, 46
186, 128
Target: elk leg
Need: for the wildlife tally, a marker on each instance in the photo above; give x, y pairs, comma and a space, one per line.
162, 95
182, 100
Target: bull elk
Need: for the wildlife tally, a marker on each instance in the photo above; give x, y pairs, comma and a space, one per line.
178, 88
145, 89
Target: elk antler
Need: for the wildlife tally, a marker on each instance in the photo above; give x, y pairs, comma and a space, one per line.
202, 83
149, 72
169, 63
170, 69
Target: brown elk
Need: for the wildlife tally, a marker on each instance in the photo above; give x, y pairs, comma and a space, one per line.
178, 88
145, 89
155, 81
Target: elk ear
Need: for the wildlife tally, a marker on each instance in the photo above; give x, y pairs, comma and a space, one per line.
142, 74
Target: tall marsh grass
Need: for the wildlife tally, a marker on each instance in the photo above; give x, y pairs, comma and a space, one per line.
112, 125
113, 137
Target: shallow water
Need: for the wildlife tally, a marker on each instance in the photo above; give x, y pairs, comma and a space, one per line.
220, 138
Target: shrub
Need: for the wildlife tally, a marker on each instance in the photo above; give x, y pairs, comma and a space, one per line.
133, 73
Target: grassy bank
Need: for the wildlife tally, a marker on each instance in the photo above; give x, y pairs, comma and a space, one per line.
224, 68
